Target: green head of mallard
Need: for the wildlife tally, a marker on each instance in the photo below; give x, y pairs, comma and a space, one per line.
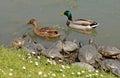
68, 14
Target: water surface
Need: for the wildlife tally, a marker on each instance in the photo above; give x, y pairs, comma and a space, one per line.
14, 14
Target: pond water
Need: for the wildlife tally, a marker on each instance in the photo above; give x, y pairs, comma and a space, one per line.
14, 14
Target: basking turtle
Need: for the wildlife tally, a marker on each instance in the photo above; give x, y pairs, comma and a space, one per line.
84, 65
69, 46
51, 52
62, 47
54, 51
36, 49
111, 65
89, 54
19, 42
69, 50
110, 52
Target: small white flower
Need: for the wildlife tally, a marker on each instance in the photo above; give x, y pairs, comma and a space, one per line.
29, 75
52, 56
63, 75
89, 70
89, 75
24, 67
54, 62
53, 74
49, 73
36, 63
78, 73
31, 61
29, 54
45, 75
60, 60
33, 52
82, 71
23, 58
61, 70
96, 71
49, 61
101, 75
29, 57
2, 71
19, 55
38, 57
67, 66
10, 74
11, 69
40, 73
72, 73
96, 74
63, 66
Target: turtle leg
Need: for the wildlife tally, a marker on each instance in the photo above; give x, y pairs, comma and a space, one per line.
47, 38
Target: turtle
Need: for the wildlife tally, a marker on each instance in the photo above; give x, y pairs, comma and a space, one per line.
84, 65
111, 65
89, 54
54, 51
64, 49
69, 50
36, 49
109, 52
19, 42
69, 46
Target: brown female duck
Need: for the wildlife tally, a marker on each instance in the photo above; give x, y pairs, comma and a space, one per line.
45, 32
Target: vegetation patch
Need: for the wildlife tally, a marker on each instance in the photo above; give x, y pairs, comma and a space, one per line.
18, 64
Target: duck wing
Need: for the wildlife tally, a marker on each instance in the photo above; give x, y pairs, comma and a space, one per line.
48, 30
84, 22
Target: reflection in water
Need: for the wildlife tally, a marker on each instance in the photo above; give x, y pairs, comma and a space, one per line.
92, 32
72, 3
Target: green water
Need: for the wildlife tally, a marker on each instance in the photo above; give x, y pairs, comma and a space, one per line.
14, 14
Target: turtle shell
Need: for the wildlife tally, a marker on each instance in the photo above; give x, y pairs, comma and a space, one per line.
54, 50
111, 65
88, 54
84, 65
109, 51
69, 46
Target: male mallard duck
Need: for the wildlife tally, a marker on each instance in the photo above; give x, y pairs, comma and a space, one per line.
45, 32
82, 24
19, 42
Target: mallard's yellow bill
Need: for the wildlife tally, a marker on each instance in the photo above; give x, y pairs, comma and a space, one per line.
62, 14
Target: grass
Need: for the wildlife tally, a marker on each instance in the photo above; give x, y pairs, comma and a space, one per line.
17, 64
